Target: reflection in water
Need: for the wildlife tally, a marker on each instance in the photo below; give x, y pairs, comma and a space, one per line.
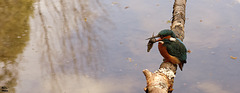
210, 87
91, 85
69, 40
14, 33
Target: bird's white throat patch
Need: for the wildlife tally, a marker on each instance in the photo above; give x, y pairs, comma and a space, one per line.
161, 42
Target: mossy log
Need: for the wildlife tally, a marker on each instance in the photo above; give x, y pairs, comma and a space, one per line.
162, 80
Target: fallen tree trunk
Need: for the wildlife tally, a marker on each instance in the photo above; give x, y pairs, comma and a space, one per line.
161, 81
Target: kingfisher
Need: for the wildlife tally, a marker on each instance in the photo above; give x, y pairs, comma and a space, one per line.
170, 47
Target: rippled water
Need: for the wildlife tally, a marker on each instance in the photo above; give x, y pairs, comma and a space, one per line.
99, 46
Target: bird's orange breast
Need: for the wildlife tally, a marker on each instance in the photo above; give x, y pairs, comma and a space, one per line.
163, 51
168, 58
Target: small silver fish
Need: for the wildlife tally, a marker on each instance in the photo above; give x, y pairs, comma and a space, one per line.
151, 41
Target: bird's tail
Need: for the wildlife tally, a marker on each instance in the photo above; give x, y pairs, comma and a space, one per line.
181, 65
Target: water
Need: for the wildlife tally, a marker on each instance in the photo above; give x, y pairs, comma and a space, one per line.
93, 46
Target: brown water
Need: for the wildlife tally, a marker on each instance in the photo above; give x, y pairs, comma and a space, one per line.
99, 46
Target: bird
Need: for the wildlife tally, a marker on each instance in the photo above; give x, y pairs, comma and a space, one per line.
171, 48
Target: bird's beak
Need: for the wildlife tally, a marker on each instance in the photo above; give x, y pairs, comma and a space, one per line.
159, 39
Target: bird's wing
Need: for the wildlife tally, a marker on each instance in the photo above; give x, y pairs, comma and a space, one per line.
177, 49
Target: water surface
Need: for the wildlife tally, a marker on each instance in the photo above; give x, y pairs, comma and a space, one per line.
99, 46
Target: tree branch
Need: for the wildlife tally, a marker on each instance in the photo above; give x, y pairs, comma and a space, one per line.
162, 80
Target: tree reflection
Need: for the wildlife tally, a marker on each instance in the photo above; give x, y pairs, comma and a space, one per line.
70, 42
14, 33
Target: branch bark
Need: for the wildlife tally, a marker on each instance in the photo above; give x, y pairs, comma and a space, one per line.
162, 80
178, 19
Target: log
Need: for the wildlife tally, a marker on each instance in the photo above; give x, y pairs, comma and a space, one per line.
161, 81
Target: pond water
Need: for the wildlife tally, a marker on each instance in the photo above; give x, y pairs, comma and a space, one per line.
99, 46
